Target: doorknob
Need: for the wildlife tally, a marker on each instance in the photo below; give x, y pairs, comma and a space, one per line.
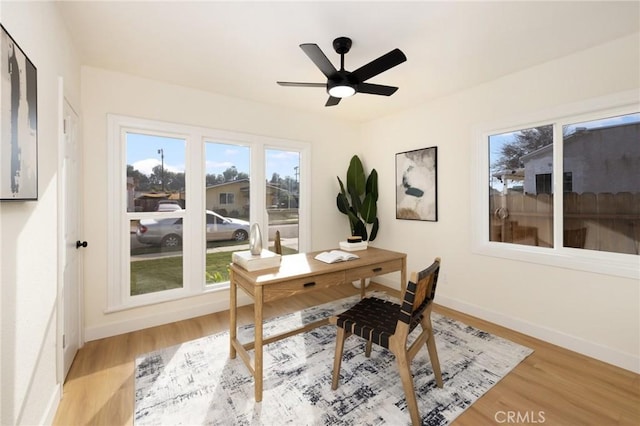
81, 244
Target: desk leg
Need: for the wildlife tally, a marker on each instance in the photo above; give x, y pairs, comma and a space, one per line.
233, 306
257, 312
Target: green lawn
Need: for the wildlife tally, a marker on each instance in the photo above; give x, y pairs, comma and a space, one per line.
149, 276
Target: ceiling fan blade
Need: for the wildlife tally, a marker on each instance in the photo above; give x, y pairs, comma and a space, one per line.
379, 65
332, 101
376, 89
292, 84
320, 59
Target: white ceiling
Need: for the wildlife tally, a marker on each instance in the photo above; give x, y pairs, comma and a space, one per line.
241, 49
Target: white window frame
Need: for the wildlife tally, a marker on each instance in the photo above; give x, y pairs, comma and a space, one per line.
118, 221
615, 264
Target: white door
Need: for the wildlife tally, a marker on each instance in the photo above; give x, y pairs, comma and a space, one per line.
72, 255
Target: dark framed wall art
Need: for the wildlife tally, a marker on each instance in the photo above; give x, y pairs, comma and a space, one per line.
417, 184
18, 122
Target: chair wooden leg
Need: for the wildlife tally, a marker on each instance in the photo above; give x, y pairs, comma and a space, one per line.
404, 367
367, 349
337, 360
433, 352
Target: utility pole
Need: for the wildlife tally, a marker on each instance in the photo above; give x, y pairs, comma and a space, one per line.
161, 152
296, 174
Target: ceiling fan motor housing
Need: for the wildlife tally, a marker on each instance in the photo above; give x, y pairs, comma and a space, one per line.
342, 45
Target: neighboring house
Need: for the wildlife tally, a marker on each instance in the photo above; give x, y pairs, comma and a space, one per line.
229, 196
589, 159
234, 196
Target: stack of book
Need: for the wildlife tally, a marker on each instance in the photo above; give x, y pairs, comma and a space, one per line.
349, 246
265, 260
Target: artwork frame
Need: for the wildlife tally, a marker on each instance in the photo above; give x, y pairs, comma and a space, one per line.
18, 122
417, 184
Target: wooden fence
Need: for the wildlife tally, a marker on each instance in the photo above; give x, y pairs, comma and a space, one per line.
603, 221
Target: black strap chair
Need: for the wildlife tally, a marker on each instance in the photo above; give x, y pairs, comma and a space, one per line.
389, 324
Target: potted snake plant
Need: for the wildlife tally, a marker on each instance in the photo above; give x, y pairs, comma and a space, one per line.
358, 200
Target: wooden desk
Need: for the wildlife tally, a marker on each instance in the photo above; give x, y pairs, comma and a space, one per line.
299, 273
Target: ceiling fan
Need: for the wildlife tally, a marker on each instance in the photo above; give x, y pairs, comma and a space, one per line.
342, 83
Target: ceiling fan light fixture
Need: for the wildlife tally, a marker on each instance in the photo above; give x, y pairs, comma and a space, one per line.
341, 88
342, 91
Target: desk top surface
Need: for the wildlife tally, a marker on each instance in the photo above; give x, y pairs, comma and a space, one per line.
303, 264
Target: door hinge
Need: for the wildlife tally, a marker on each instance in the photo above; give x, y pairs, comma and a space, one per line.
64, 126
64, 341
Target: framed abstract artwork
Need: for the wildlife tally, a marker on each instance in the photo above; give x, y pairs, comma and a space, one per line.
417, 184
18, 122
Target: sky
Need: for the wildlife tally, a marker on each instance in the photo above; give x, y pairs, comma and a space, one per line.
143, 153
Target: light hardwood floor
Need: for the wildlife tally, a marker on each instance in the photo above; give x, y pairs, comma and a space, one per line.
552, 386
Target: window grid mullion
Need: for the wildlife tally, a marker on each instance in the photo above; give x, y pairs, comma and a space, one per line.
558, 190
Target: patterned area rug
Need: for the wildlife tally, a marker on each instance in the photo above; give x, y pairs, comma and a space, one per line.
196, 383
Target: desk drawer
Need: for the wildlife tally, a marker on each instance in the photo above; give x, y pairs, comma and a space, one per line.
301, 285
373, 270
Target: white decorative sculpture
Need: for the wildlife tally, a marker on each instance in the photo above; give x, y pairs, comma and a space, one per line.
255, 240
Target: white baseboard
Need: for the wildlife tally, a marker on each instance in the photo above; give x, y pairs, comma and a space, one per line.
52, 406
576, 344
159, 318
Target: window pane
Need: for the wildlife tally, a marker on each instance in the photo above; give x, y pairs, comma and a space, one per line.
602, 207
282, 195
155, 173
227, 203
156, 255
520, 187
155, 183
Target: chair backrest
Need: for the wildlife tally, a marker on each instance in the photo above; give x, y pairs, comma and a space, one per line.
420, 291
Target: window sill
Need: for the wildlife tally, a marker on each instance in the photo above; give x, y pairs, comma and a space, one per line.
151, 299
614, 264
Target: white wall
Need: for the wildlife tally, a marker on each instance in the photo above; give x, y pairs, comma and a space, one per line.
106, 92
29, 387
598, 315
